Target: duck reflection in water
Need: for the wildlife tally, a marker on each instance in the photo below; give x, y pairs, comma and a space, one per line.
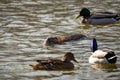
104, 66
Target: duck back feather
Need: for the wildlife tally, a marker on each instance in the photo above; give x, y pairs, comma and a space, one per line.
101, 21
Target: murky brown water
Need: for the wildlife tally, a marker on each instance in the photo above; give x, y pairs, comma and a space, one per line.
25, 24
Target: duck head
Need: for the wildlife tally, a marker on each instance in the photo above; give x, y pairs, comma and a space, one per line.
111, 57
93, 45
69, 57
84, 12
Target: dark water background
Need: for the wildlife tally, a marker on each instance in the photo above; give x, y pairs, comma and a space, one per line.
25, 24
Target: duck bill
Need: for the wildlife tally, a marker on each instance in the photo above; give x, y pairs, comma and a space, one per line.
77, 16
75, 60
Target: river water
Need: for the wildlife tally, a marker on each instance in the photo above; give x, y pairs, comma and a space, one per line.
25, 25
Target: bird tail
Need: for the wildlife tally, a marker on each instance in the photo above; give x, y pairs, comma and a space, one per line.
118, 18
93, 45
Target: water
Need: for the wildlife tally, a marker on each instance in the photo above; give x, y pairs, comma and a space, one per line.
25, 25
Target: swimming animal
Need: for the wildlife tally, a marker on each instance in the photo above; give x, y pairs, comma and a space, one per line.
61, 40
98, 18
101, 56
56, 64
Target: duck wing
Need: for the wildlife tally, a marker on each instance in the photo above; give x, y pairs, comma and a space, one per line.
51, 64
99, 54
103, 15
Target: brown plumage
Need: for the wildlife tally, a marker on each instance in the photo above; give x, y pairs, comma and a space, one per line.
61, 40
56, 64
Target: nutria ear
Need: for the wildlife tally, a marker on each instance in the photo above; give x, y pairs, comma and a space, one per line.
35, 67
31, 65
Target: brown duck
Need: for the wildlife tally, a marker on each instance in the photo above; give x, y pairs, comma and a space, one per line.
56, 64
61, 40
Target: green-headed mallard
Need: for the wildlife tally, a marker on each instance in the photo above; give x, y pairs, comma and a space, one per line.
56, 64
61, 40
101, 56
98, 18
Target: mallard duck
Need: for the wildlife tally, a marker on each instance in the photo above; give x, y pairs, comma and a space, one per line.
61, 40
56, 64
98, 18
101, 56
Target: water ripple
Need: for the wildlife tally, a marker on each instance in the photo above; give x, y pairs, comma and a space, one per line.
25, 25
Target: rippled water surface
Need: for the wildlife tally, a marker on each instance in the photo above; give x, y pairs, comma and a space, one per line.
25, 25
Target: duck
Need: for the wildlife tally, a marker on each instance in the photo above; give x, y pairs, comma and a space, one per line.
101, 56
61, 39
98, 18
65, 63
